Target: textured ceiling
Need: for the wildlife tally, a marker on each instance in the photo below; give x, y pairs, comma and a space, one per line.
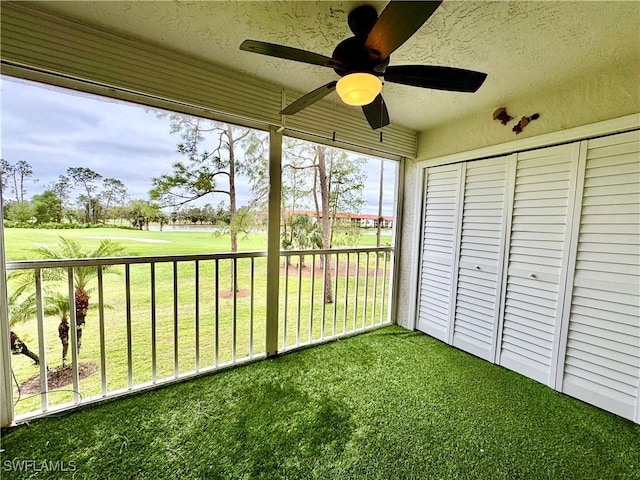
523, 46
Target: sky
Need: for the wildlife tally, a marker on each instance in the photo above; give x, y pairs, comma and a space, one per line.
54, 129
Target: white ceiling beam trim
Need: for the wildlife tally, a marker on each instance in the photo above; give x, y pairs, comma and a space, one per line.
44, 42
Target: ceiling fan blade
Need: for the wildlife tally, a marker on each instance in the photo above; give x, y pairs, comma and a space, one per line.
289, 53
376, 113
439, 78
397, 22
309, 99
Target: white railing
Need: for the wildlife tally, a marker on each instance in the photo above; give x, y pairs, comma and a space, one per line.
359, 294
166, 318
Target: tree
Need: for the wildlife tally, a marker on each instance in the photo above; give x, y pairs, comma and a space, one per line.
223, 217
5, 171
321, 173
216, 154
57, 305
380, 190
305, 234
114, 193
86, 178
19, 212
46, 207
141, 212
82, 276
243, 221
209, 214
332, 180
345, 233
62, 189
15, 177
346, 184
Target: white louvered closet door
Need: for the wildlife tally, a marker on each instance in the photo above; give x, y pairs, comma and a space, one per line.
537, 261
439, 250
481, 259
602, 361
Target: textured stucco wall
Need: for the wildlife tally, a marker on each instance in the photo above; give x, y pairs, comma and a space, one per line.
605, 95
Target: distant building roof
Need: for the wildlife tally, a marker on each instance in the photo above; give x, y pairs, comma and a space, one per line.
352, 216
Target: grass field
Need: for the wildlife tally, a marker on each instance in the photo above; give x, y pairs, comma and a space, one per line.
249, 333
386, 405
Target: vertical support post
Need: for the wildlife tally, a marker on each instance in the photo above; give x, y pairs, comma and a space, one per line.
6, 387
394, 263
273, 240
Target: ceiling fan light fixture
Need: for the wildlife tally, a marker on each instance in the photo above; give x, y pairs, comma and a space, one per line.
358, 88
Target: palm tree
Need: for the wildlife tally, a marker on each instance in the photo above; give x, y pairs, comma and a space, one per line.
57, 305
305, 234
82, 276
55, 302
18, 313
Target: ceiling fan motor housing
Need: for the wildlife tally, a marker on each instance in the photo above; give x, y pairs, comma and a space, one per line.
362, 19
352, 53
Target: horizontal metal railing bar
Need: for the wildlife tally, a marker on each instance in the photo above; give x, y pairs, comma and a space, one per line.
105, 261
290, 253
90, 262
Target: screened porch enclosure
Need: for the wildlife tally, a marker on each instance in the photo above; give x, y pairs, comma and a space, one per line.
522, 251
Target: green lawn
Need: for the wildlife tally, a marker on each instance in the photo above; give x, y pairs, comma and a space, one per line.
20, 242
389, 404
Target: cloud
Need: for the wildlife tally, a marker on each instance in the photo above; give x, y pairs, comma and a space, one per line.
54, 129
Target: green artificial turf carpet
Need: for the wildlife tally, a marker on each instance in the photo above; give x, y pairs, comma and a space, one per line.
390, 404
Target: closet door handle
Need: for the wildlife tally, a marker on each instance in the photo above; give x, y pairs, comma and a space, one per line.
477, 267
533, 275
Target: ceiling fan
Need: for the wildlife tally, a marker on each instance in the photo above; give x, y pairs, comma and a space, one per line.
360, 60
